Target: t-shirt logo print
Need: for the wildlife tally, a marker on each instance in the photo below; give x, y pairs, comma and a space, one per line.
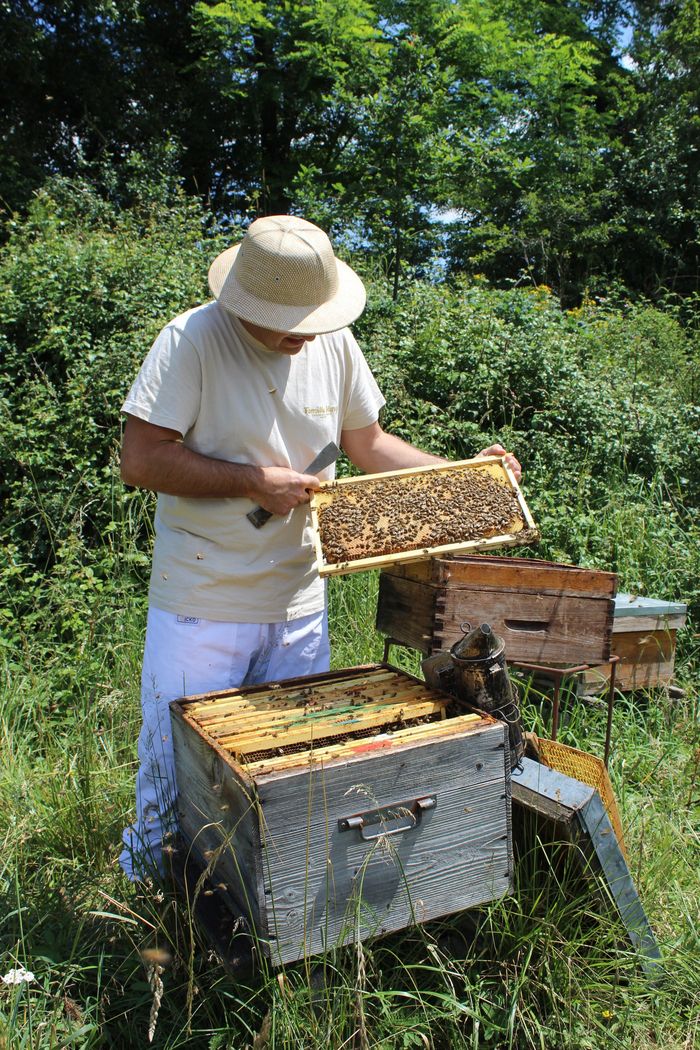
320, 410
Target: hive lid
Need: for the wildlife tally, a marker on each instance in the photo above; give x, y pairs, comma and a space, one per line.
408, 515
636, 605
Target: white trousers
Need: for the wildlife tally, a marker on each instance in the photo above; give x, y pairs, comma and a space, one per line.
185, 655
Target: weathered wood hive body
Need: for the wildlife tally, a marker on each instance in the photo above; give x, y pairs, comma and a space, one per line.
644, 638
545, 611
343, 805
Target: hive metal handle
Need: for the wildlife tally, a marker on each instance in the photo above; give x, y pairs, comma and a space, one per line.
394, 819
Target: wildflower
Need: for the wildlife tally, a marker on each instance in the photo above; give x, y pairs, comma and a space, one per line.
18, 976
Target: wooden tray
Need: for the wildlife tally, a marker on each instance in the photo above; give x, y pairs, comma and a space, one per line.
407, 515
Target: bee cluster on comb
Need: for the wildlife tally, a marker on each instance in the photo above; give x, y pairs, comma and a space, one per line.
390, 514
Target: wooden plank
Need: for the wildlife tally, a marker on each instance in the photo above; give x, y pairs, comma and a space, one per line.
535, 627
427, 571
293, 693
646, 660
403, 693
508, 539
360, 718
643, 624
325, 886
217, 807
302, 681
351, 748
524, 574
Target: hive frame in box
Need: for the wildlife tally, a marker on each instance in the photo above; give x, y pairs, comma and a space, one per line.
299, 839
493, 465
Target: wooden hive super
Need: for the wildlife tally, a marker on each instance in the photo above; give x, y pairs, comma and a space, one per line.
644, 638
342, 805
546, 612
406, 515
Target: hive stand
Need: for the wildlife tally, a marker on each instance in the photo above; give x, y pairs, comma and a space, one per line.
559, 675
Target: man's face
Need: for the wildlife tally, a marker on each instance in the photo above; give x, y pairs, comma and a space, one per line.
280, 342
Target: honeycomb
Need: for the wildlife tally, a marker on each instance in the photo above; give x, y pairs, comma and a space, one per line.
395, 513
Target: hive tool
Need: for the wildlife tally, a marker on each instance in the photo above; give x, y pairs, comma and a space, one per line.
258, 516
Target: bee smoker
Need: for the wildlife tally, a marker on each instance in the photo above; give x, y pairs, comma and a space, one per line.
476, 673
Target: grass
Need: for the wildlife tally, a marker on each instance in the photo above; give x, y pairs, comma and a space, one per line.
547, 967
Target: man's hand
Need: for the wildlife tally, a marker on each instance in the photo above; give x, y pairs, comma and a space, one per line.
281, 490
511, 461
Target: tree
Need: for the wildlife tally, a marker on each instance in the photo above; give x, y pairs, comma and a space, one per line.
658, 170
294, 73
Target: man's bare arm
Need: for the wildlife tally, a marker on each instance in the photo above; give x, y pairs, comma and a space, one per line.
373, 450
155, 458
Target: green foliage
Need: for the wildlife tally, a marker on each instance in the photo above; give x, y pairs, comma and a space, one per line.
87, 289
486, 136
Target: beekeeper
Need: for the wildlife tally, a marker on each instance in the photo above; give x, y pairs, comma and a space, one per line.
235, 398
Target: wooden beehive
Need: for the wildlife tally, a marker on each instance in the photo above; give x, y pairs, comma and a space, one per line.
546, 612
407, 515
644, 638
342, 805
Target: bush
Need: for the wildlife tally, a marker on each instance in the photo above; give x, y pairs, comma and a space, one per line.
86, 290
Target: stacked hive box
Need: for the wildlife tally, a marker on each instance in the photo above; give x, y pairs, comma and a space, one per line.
345, 804
546, 612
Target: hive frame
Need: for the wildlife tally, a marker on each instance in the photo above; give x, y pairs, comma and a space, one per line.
496, 466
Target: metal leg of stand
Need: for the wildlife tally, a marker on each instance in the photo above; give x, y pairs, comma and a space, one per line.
555, 705
611, 701
557, 674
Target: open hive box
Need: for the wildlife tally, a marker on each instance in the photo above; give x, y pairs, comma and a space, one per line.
341, 805
405, 515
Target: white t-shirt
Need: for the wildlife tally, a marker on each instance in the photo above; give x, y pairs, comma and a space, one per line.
233, 399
